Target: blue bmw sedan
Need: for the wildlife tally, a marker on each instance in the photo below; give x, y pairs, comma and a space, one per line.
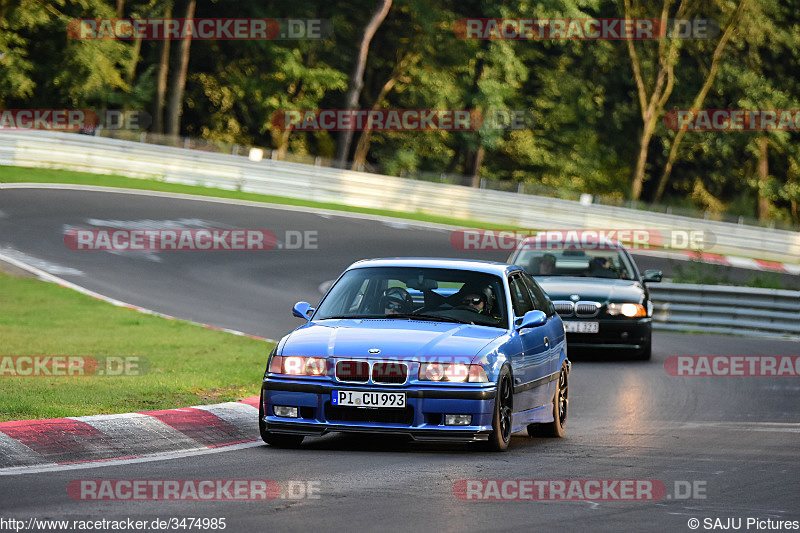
436, 349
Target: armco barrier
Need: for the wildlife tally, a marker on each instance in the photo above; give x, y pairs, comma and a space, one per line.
722, 309
360, 189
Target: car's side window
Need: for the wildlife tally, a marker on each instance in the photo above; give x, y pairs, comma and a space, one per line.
520, 297
540, 299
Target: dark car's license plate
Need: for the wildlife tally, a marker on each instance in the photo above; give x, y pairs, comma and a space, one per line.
573, 326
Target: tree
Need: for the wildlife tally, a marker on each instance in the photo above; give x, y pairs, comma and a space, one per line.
178, 82
701, 96
357, 76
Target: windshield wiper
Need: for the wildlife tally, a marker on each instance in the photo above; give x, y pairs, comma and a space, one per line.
423, 316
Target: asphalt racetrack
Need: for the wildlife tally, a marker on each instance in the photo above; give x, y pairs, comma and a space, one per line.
724, 448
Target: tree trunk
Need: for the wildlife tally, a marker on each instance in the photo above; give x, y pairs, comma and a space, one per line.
178, 83
476, 163
641, 160
357, 77
652, 106
763, 178
698, 101
362, 147
161, 80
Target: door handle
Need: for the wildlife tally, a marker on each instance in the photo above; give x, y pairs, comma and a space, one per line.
546, 342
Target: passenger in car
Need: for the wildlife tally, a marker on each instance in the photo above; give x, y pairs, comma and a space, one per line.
547, 265
601, 267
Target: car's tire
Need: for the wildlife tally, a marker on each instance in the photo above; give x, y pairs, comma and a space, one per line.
279, 440
557, 427
282, 440
503, 409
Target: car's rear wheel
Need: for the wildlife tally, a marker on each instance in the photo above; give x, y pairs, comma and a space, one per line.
279, 440
560, 410
503, 408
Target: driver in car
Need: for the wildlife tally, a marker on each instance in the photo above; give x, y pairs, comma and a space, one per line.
476, 301
395, 301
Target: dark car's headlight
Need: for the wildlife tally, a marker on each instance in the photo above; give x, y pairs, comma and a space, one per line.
298, 366
629, 310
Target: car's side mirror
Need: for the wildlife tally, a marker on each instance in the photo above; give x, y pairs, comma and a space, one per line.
653, 275
302, 310
533, 319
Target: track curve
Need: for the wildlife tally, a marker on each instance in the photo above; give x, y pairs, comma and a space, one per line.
736, 437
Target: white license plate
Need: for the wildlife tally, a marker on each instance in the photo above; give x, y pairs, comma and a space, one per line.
573, 326
351, 398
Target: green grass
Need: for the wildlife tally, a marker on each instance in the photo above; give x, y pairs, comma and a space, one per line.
9, 174
189, 365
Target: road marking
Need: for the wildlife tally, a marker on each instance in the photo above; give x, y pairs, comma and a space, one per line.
115, 462
41, 264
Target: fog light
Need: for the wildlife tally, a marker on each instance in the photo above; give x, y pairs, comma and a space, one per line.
283, 410
457, 420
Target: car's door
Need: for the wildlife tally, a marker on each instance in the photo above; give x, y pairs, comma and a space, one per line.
554, 327
534, 363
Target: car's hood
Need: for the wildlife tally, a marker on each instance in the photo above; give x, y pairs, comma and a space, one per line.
395, 338
601, 290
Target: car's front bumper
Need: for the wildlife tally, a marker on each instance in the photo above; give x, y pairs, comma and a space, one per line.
421, 419
618, 333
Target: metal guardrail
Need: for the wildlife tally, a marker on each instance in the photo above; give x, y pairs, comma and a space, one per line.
723, 309
361, 189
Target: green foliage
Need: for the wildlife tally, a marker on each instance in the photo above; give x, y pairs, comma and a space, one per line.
579, 96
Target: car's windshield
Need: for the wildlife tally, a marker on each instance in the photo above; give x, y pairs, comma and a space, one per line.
597, 263
411, 293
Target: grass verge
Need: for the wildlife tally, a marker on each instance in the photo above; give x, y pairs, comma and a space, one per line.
9, 174
188, 365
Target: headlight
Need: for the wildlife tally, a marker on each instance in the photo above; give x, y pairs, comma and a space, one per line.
629, 310
453, 372
298, 366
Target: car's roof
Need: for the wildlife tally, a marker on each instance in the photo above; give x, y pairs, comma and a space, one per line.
488, 267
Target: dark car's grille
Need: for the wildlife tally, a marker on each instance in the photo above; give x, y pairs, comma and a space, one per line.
582, 309
586, 309
389, 372
564, 308
335, 413
355, 371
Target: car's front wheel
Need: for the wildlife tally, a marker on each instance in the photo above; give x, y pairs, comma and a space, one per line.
560, 410
279, 440
503, 408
